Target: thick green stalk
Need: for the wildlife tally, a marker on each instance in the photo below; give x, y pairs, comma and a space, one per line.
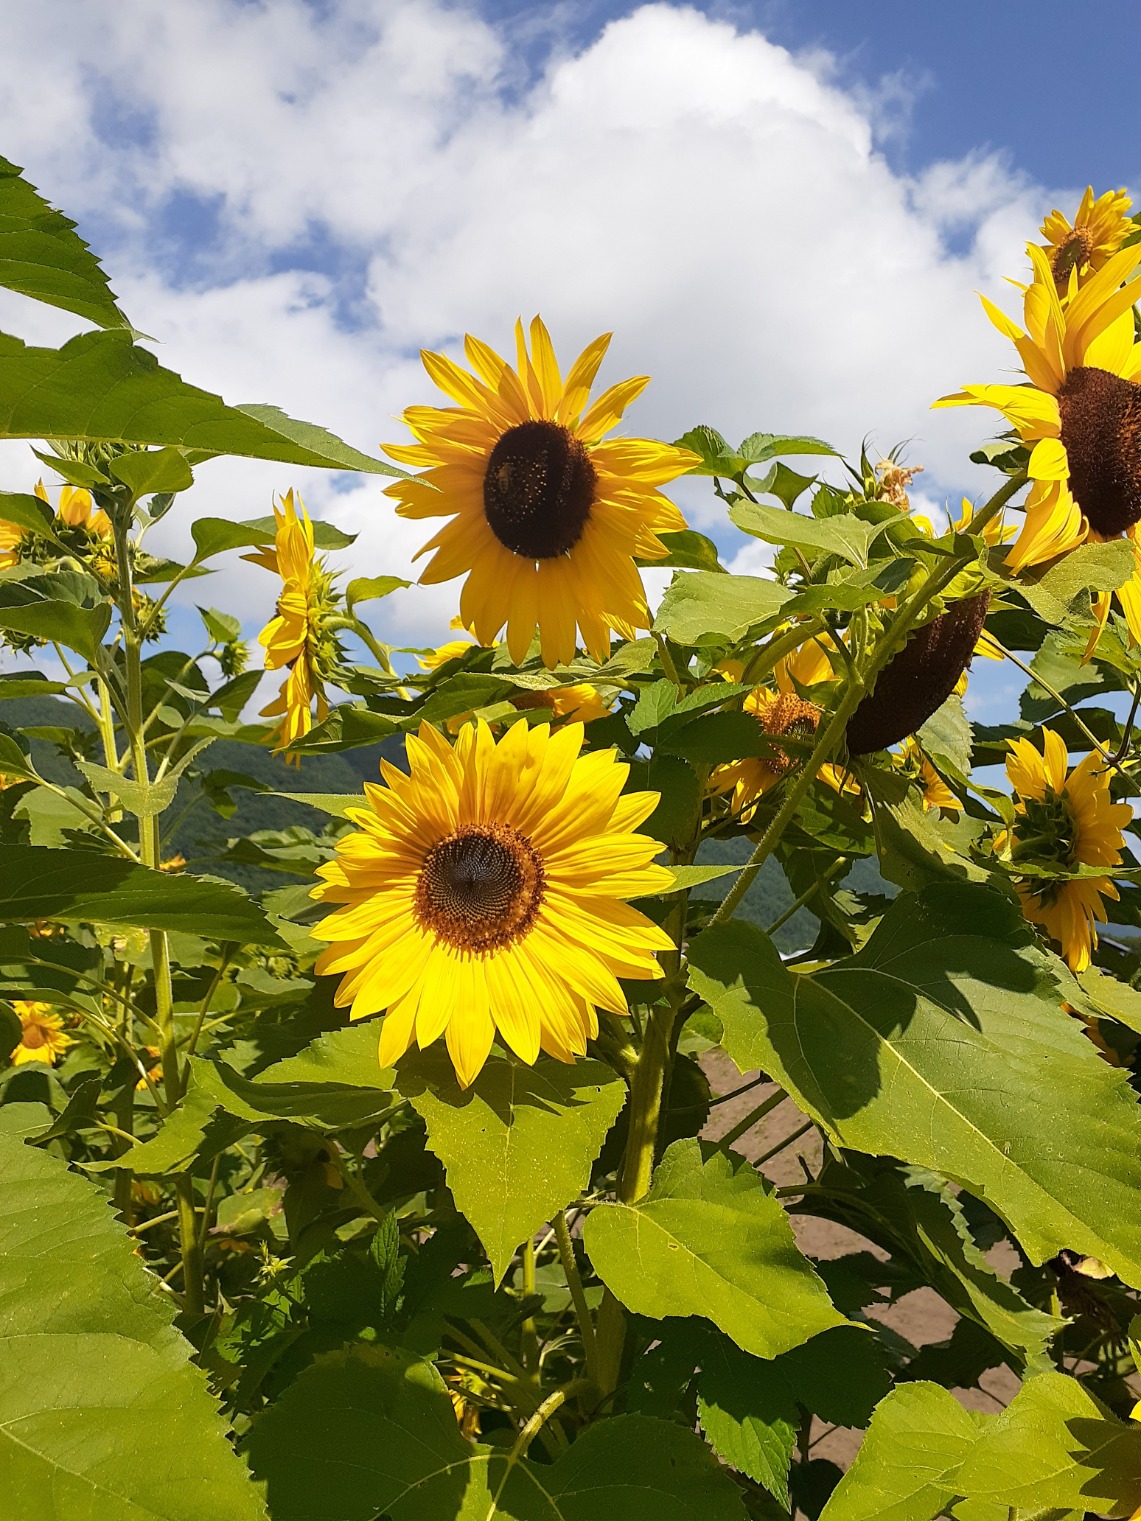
895, 637
189, 1239
645, 1109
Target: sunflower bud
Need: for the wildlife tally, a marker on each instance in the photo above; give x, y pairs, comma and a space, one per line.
919, 679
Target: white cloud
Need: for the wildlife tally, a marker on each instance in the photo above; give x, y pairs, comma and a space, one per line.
716, 200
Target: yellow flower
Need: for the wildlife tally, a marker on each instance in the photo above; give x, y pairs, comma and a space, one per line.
779, 712
1084, 246
1066, 821
547, 518
297, 637
936, 793
11, 537
76, 510
41, 1034
580, 704
1081, 415
483, 891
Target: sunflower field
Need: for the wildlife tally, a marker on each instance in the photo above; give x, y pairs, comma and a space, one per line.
644, 1062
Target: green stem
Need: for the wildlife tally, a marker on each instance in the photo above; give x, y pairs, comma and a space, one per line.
528, 1332
1036, 676
578, 1297
830, 736
531, 1429
781, 1145
767, 656
645, 1109
798, 903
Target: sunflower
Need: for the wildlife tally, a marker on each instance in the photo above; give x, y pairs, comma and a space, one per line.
1084, 246
298, 636
779, 712
914, 763
1081, 414
1064, 821
77, 510
41, 1034
547, 518
483, 891
581, 703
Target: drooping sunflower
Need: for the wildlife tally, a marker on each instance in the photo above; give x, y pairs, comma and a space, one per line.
1081, 413
547, 516
780, 712
483, 891
41, 1034
1083, 246
298, 637
1064, 821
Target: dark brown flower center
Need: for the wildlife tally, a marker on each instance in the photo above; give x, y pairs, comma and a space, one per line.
33, 1037
480, 888
917, 681
1101, 430
1074, 253
538, 490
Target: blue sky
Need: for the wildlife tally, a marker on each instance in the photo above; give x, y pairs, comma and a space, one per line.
782, 209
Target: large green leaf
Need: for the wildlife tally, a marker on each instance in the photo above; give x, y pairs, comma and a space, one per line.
916, 1219
101, 386
702, 606
370, 1433
82, 887
1056, 1448
709, 1240
907, 1468
517, 1145
102, 1415
335, 1083
42, 255
844, 534
944, 1043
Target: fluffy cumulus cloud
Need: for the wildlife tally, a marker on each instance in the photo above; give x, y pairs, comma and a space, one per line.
295, 197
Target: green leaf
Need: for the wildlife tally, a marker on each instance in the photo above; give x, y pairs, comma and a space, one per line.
709, 1240
103, 1417
82, 887
749, 1414
943, 1042
101, 386
1093, 567
759, 447
844, 534
42, 255
916, 1218
346, 728
411, 1463
688, 550
79, 628
371, 588
946, 737
907, 1466
150, 470
1056, 1448
146, 799
704, 607
28, 512
686, 877
518, 1145
336, 804
335, 1083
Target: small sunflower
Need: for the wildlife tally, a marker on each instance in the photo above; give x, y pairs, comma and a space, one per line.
1084, 246
41, 1034
1064, 821
298, 636
77, 510
483, 891
936, 794
779, 712
547, 518
581, 703
1081, 415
